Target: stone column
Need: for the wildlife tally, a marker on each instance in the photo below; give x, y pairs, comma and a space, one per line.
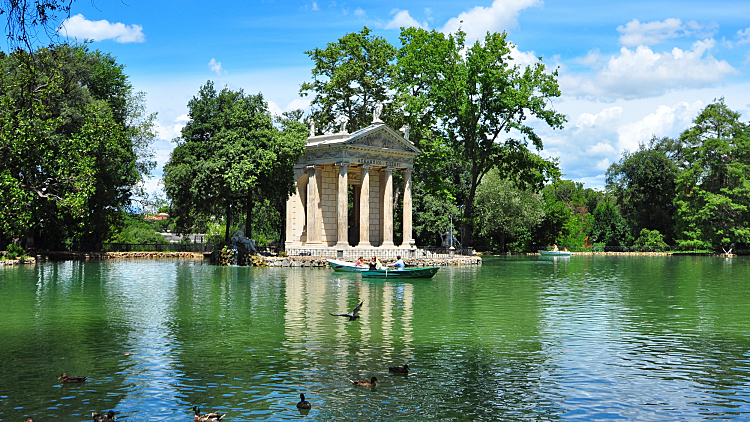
407, 209
364, 208
313, 206
388, 209
342, 208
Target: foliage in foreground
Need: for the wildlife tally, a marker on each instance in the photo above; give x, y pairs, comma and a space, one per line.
74, 144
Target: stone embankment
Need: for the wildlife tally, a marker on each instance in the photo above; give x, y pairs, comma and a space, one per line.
96, 256
313, 261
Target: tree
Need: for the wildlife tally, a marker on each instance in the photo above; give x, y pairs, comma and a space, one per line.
472, 97
713, 190
609, 226
74, 143
506, 211
350, 76
643, 184
25, 19
229, 157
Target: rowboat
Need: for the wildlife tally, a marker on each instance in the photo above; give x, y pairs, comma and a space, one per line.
345, 266
424, 272
554, 253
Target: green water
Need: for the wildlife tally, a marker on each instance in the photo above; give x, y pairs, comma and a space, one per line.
588, 338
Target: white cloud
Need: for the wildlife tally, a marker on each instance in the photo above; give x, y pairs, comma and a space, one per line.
358, 12
404, 20
216, 67
643, 72
523, 58
605, 118
299, 103
743, 36
635, 33
79, 27
665, 121
315, 6
501, 16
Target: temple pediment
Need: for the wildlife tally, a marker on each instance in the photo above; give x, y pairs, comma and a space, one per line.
381, 136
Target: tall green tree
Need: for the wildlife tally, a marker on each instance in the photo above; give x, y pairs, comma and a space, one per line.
609, 227
506, 211
74, 143
230, 157
478, 101
349, 77
713, 190
644, 183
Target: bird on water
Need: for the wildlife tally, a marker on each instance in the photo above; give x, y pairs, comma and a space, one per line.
207, 416
399, 369
64, 378
109, 417
365, 383
303, 404
353, 316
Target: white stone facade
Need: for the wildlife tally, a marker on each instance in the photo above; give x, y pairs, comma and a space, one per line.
318, 214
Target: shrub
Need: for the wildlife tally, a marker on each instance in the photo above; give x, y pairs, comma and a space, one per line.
651, 240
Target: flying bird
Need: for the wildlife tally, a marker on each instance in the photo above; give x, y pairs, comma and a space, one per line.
303, 404
353, 316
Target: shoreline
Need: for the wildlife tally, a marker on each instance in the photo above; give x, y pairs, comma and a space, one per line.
267, 261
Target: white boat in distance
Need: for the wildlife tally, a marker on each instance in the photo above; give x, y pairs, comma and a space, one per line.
345, 266
554, 253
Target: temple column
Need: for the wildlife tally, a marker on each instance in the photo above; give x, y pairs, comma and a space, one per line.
388, 209
364, 208
313, 206
342, 208
407, 209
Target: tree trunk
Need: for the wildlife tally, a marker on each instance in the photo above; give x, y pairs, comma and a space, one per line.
467, 217
249, 217
229, 223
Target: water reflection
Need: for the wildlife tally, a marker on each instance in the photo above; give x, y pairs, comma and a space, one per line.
516, 339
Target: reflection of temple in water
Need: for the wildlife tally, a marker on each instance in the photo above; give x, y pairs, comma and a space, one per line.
385, 322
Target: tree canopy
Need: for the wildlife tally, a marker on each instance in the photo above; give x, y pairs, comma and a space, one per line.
229, 157
713, 189
477, 100
74, 143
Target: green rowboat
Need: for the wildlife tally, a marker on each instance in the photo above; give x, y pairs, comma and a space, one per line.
424, 272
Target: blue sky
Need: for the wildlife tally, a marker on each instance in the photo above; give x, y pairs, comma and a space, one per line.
628, 70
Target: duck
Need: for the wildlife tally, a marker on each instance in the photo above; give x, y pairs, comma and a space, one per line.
303, 404
353, 316
399, 369
208, 416
65, 378
28, 419
365, 383
109, 417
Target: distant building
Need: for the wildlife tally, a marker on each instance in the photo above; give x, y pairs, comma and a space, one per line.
160, 216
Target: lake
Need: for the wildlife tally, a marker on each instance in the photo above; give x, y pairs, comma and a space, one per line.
518, 338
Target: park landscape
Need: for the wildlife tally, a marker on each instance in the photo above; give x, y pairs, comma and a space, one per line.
657, 332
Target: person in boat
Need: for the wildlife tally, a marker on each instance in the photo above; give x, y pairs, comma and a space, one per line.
375, 264
360, 262
554, 248
399, 264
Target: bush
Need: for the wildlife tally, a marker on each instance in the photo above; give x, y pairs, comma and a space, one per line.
650, 240
14, 252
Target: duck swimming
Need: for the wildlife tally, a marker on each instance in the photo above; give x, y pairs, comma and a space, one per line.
65, 378
208, 416
303, 404
109, 417
399, 369
365, 383
353, 316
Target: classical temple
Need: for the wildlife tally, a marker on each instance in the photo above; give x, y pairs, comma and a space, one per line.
359, 165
